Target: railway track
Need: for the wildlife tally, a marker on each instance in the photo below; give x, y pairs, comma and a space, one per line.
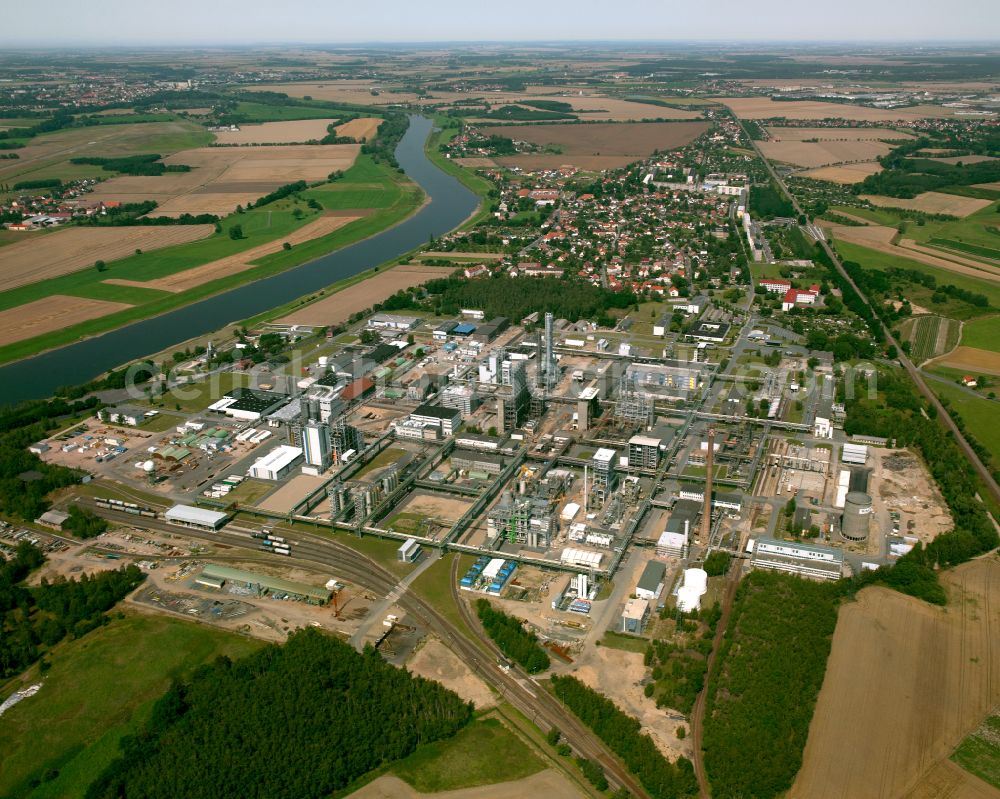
517, 688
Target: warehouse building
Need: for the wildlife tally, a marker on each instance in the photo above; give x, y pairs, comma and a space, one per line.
265, 585
388, 321
123, 414
650, 584
278, 463
472, 461
195, 518
447, 419
807, 560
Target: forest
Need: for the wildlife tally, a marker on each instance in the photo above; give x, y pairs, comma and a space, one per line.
679, 664
33, 619
300, 720
766, 202
509, 634
764, 683
516, 297
623, 735
905, 177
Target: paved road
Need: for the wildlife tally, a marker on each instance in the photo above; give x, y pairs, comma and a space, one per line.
915, 375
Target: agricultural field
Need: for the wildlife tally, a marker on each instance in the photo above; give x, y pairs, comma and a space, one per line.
53, 313
971, 360
932, 202
979, 414
598, 146
355, 92
766, 108
287, 132
223, 177
32, 258
823, 153
360, 129
49, 155
99, 688
982, 334
337, 308
783, 134
980, 752
844, 173
905, 683
930, 336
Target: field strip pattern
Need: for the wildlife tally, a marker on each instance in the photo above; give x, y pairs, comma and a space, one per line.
240, 262
52, 313
40, 257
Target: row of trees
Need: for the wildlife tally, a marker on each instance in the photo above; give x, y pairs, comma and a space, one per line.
764, 684
144, 164
623, 734
35, 618
509, 634
301, 720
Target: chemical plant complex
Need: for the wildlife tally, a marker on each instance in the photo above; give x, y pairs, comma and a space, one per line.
583, 471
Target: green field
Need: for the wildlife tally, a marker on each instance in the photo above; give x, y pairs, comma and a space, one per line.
982, 333
870, 259
923, 333
99, 688
386, 457
397, 199
194, 397
627, 643
969, 249
980, 415
979, 754
262, 112
483, 753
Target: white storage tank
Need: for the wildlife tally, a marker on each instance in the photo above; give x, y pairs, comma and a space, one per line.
688, 599
696, 579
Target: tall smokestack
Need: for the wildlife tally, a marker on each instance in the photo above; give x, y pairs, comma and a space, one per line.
706, 513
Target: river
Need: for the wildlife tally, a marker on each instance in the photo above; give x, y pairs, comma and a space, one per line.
450, 203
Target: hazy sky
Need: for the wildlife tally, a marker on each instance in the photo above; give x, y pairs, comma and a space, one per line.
67, 22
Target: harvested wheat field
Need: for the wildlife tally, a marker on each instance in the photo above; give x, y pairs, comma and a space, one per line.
970, 359
905, 683
987, 186
52, 313
435, 661
595, 108
289, 132
476, 162
240, 262
964, 159
947, 780
835, 134
360, 129
549, 783
357, 92
931, 202
32, 259
338, 307
824, 153
845, 173
766, 108
223, 177
599, 146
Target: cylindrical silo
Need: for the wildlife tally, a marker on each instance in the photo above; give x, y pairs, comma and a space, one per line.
696, 580
857, 514
688, 599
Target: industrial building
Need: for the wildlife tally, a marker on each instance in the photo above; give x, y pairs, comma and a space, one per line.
518, 519
446, 419
462, 398
635, 615
473, 461
673, 544
823, 421
213, 574
650, 584
604, 480
662, 381
196, 518
643, 452
123, 414
388, 321
807, 560
409, 551
317, 446
277, 464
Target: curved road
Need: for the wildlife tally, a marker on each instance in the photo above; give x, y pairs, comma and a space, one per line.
514, 686
980, 468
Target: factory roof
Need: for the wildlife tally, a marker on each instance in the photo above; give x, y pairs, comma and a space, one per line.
652, 576
464, 329
265, 581
636, 609
644, 441
604, 455
279, 458
189, 514
436, 411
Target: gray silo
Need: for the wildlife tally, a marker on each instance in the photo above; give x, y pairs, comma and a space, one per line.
857, 515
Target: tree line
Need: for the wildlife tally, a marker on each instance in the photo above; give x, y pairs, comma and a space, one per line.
301, 720
33, 619
623, 735
509, 634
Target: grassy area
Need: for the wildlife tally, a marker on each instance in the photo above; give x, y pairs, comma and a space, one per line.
871, 259
249, 492
161, 422
466, 177
979, 414
262, 112
979, 754
194, 397
483, 753
100, 687
982, 333
386, 457
922, 334
627, 643
434, 585
400, 198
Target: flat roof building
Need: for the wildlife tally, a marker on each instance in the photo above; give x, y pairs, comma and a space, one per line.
447, 419
807, 560
635, 615
196, 518
278, 463
264, 584
650, 584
